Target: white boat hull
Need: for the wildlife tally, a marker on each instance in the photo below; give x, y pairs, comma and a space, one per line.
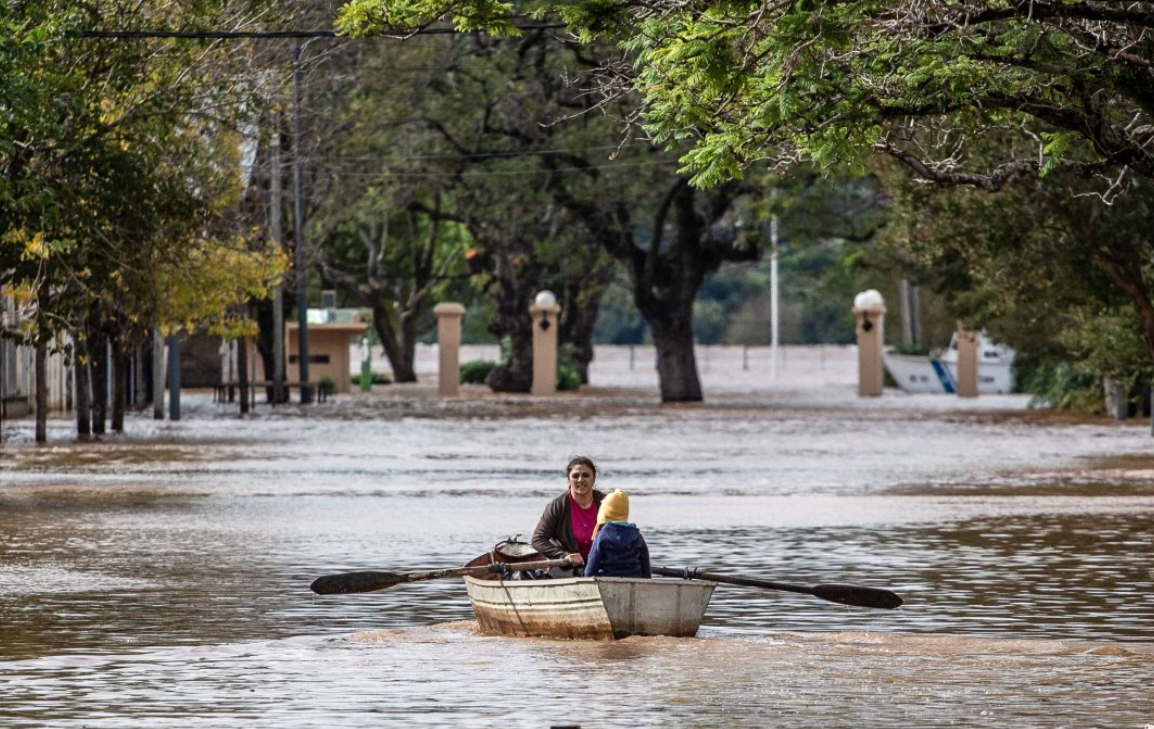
940, 374
920, 374
597, 608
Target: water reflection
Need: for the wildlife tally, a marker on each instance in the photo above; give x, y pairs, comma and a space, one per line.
446, 675
80, 574
161, 580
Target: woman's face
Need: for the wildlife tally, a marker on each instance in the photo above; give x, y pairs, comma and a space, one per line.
581, 479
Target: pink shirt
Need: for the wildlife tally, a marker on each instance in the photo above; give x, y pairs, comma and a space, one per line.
583, 521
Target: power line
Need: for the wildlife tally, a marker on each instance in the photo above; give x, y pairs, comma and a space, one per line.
204, 34
370, 175
456, 157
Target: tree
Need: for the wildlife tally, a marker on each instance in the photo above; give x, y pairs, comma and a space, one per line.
548, 208
1059, 276
392, 263
1067, 82
451, 150
119, 169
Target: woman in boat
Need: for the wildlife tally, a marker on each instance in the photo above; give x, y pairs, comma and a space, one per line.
565, 530
618, 549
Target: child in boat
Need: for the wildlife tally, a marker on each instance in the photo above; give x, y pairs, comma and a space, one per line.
618, 549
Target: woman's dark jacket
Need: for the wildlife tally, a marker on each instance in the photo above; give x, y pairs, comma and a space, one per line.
553, 536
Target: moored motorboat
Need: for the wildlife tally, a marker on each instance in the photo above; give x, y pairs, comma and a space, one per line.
597, 608
939, 374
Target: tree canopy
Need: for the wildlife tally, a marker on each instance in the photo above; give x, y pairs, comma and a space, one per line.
1068, 84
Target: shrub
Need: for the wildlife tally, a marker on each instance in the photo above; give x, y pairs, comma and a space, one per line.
476, 372
377, 378
567, 378
1062, 387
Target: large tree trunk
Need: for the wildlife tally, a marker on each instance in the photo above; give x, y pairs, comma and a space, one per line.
512, 320
265, 346
398, 346
672, 330
666, 275
664, 288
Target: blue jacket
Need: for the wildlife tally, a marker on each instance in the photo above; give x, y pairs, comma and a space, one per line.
618, 551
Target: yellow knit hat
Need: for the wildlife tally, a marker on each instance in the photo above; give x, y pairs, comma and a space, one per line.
614, 507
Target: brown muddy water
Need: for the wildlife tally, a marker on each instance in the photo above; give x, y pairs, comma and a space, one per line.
160, 579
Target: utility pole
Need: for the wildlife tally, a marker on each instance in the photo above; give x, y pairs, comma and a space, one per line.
298, 206
157, 375
173, 377
911, 315
274, 216
774, 319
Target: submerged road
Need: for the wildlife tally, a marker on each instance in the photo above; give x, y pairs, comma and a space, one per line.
161, 578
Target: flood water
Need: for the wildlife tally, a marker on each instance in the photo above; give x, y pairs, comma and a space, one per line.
161, 578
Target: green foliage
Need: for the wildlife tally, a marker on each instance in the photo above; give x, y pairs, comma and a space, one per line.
118, 197
831, 82
357, 17
1058, 277
1108, 345
918, 349
476, 372
568, 378
1061, 386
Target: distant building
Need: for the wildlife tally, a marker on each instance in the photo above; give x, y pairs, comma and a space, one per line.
331, 334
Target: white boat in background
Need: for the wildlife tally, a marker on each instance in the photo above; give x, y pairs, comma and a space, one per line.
940, 373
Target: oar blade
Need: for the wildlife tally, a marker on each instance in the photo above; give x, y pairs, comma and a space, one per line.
858, 596
351, 582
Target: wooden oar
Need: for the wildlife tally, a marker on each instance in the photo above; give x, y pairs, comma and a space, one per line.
350, 582
856, 595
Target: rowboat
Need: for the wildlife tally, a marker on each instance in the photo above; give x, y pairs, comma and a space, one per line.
589, 608
511, 597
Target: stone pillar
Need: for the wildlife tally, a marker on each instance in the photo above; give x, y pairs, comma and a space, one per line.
449, 315
544, 313
869, 309
967, 380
